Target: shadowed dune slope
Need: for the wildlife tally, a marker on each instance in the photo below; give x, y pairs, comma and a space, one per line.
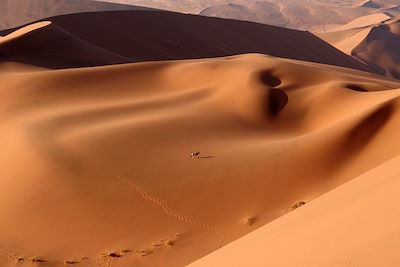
14, 13
131, 34
376, 44
96, 165
47, 45
354, 225
381, 48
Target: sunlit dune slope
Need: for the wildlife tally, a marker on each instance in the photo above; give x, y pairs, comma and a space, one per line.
96, 165
354, 225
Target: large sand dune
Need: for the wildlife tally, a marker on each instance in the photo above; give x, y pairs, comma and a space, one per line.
47, 45
376, 44
96, 164
178, 36
381, 48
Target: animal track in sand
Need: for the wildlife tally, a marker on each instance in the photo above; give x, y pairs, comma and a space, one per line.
9, 255
169, 211
163, 243
105, 259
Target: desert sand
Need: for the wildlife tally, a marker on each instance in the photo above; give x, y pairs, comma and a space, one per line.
375, 44
99, 124
311, 15
18, 12
353, 225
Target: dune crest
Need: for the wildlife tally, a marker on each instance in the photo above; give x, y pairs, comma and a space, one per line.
44, 44
228, 37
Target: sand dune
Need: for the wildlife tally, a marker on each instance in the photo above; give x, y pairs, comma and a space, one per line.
175, 39
381, 48
47, 45
364, 21
370, 40
346, 40
97, 168
354, 225
14, 13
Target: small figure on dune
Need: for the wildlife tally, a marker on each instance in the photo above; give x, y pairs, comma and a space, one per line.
195, 154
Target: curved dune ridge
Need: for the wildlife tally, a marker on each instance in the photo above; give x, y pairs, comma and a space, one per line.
47, 45
179, 36
381, 48
96, 165
375, 44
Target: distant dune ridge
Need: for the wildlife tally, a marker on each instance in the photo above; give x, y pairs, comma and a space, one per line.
376, 44
312, 15
175, 39
381, 48
346, 25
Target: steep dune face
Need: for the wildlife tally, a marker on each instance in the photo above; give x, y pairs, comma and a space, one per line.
346, 40
381, 48
47, 45
182, 36
373, 39
337, 229
14, 13
96, 164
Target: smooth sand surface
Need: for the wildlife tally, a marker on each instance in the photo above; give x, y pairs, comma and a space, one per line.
356, 224
346, 40
364, 21
96, 165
